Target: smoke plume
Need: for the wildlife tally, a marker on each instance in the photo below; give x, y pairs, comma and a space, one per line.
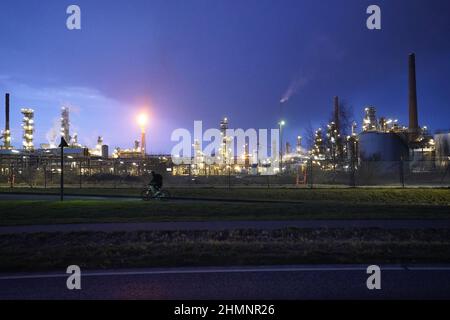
293, 88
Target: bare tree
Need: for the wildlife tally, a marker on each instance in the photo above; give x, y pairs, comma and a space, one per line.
344, 125
346, 118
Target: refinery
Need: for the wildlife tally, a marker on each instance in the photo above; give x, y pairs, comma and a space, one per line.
380, 140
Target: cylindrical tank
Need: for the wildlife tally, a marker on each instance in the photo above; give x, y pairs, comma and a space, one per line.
442, 143
380, 146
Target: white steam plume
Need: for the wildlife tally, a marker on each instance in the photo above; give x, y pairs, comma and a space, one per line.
293, 88
53, 134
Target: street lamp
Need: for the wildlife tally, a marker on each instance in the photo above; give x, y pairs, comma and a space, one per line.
280, 126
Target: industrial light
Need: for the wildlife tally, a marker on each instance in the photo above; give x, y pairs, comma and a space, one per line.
142, 120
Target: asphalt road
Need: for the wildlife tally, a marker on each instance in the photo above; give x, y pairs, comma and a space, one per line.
290, 282
55, 197
227, 225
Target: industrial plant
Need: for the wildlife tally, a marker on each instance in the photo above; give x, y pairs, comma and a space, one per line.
381, 141
382, 144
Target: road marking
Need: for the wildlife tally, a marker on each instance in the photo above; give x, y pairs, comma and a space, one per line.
226, 270
206, 271
429, 268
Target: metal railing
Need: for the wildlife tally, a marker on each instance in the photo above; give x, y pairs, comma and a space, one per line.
41, 174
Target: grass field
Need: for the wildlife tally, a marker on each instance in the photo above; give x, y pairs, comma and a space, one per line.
358, 195
53, 251
50, 251
98, 211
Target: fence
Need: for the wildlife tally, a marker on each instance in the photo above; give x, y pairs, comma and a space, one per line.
368, 174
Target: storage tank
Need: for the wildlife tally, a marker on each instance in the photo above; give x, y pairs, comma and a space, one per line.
442, 143
381, 146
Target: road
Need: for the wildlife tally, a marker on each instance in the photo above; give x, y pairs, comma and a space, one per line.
289, 282
55, 197
227, 225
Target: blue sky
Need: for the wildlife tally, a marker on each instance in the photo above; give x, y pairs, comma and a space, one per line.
203, 60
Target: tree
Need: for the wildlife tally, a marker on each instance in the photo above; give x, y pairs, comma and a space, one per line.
346, 118
337, 131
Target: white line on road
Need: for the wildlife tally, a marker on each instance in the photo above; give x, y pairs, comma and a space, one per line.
428, 268
224, 270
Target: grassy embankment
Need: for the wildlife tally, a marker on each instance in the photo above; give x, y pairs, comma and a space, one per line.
49, 251
358, 195
91, 211
55, 251
312, 204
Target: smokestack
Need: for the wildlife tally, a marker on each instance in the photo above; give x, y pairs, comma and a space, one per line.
7, 112
143, 143
7, 133
412, 95
336, 112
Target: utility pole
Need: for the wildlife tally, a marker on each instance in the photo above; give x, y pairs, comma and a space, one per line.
62, 145
353, 162
81, 174
402, 173
311, 182
229, 177
45, 175
280, 125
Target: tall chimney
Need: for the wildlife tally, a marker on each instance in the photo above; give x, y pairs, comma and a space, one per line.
7, 111
412, 96
336, 112
7, 134
143, 144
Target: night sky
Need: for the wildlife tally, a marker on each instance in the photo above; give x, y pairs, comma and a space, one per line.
203, 60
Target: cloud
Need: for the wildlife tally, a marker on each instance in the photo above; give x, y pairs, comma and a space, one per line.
4, 77
88, 106
44, 96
